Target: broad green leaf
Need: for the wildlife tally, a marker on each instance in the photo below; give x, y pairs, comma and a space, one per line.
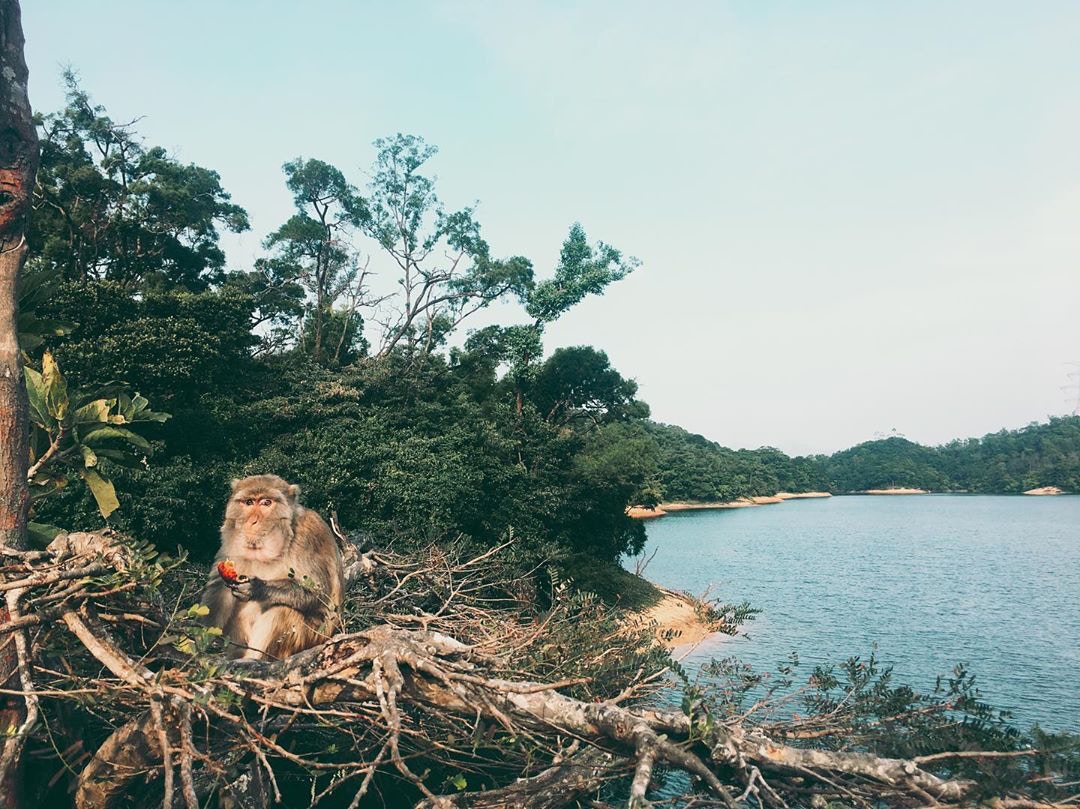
56, 393
35, 394
102, 489
28, 341
140, 411
124, 407
98, 433
95, 411
90, 459
41, 534
45, 484
126, 458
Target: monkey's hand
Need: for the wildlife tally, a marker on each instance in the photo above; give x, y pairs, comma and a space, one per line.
244, 588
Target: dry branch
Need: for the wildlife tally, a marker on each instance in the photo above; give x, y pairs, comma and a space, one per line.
407, 698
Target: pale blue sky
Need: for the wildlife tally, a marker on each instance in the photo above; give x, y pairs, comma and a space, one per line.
852, 216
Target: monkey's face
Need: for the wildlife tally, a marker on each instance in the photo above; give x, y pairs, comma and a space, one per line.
258, 524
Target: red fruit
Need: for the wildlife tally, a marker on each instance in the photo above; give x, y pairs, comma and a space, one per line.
227, 570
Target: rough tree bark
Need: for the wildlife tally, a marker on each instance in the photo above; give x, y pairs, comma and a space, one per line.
18, 168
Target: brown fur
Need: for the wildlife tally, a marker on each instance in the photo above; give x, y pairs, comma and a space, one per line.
297, 581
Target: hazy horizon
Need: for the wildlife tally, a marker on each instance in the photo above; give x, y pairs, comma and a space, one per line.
852, 218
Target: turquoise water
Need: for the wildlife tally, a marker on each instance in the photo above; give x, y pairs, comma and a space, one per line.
992, 582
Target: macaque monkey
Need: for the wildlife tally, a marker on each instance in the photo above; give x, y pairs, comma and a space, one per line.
277, 582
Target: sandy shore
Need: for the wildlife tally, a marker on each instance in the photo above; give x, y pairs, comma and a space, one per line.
895, 491
677, 621
1043, 491
643, 513
745, 502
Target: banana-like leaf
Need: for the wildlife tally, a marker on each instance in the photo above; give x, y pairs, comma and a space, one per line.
105, 390
102, 489
35, 393
95, 434
36, 286
33, 329
56, 393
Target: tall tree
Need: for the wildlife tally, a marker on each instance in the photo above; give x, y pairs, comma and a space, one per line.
582, 271
109, 207
447, 272
18, 167
314, 250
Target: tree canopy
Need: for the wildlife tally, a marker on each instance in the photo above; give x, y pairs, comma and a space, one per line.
109, 208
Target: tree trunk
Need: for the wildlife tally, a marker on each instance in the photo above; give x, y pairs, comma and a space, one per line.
18, 167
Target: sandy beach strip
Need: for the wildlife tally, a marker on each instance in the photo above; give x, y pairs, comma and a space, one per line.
899, 490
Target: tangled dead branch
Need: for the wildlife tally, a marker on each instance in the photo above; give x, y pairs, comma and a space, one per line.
444, 692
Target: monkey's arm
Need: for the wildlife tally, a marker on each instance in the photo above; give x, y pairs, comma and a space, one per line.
281, 593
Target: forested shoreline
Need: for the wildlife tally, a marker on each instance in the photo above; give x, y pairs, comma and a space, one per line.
1006, 462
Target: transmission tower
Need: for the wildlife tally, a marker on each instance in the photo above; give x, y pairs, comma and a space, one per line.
1073, 388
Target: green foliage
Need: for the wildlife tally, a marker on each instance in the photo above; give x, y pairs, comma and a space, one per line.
36, 286
888, 463
582, 271
312, 255
578, 385
169, 345
447, 270
694, 468
609, 581
108, 208
75, 432
339, 334
1009, 461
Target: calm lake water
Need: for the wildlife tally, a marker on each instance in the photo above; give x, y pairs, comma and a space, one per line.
992, 582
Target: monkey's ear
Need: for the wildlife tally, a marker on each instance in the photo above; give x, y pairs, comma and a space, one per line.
235, 483
294, 492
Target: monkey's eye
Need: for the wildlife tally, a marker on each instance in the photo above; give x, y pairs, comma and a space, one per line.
249, 502
266, 502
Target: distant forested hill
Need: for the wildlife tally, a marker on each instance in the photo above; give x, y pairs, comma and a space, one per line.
695, 468
1009, 461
